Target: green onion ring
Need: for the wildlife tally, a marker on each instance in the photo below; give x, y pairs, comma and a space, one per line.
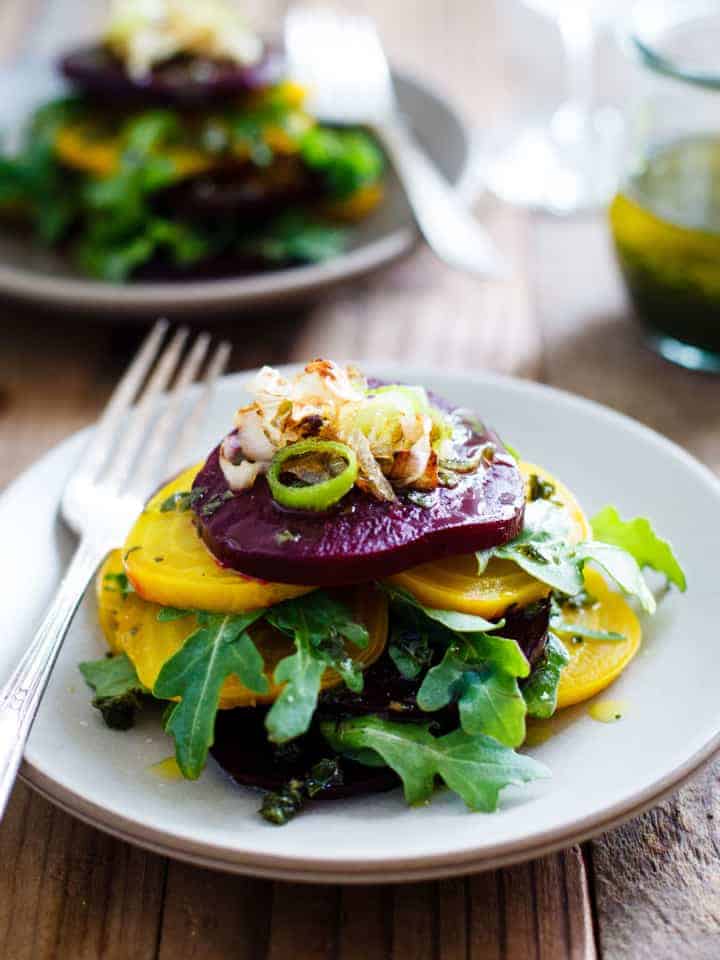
316, 496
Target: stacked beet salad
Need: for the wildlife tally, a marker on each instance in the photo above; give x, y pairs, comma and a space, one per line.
183, 150
361, 587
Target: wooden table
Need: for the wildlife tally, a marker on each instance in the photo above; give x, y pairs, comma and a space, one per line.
650, 889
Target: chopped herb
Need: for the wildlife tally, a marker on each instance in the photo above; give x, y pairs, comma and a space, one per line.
540, 489
214, 504
128, 552
581, 601
121, 581
410, 650
287, 536
159, 559
448, 478
420, 498
182, 500
282, 805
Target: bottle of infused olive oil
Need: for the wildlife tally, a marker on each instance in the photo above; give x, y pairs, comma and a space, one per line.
665, 219
666, 227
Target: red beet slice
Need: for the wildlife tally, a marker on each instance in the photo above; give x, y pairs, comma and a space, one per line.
362, 538
183, 81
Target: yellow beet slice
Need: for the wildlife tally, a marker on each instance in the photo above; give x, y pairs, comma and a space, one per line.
130, 624
453, 583
109, 597
596, 663
168, 563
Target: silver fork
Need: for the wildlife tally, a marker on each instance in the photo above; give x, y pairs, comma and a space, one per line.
132, 449
340, 59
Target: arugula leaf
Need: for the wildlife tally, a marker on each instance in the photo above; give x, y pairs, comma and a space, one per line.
638, 538
488, 697
491, 703
567, 629
622, 567
541, 690
168, 614
111, 676
320, 625
454, 620
219, 647
543, 551
475, 767
117, 689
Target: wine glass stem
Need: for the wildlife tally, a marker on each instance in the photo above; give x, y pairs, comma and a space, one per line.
577, 29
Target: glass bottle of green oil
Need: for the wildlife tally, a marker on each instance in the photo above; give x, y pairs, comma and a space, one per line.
665, 220
666, 227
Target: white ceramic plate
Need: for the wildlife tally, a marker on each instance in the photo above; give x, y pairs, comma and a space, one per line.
602, 773
44, 277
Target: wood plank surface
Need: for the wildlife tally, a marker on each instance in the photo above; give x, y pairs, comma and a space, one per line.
650, 889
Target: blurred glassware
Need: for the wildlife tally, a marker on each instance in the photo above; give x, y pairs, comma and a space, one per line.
665, 219
567, 161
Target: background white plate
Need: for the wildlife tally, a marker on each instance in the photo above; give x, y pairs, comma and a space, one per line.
41, 276
601, 773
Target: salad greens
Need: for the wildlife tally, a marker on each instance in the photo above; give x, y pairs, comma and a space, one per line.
117, 689
319, 626
476, 767
120, 221
221, 646
544, 551
639, 539
541, 690
475, 686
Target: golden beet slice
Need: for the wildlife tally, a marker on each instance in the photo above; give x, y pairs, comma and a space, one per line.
130, 624
596, 663
454, 584
168, 563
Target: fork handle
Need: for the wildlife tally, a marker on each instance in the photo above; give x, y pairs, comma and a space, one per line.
447, 225
20, 696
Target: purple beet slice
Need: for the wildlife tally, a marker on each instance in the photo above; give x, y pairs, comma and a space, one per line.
362, 538
183, 81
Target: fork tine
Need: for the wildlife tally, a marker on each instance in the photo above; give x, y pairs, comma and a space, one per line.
105, 434
141, 416
168, 425
216, 367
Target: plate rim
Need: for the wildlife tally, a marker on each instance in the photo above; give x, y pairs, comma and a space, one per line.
399, 869
256, 290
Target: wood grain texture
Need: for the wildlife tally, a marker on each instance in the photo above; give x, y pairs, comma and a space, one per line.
69, 891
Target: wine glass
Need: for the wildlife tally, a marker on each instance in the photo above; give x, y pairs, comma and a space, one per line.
568, 161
